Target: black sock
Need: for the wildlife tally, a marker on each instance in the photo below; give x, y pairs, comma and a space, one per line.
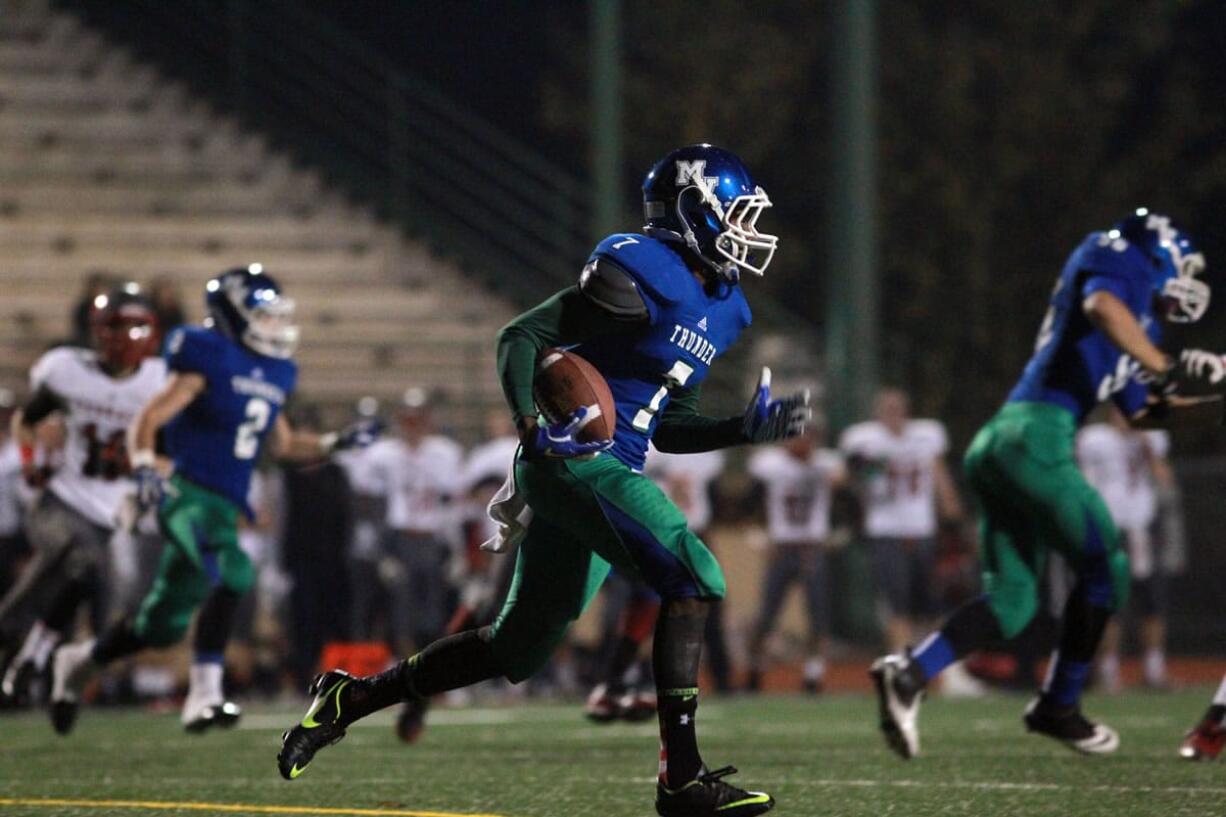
214, 623
675, 656
63, 606
120, 640
450, 663
1082, 630
971, 627
624, 652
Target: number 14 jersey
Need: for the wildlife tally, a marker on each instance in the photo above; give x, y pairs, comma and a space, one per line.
216, 441
97, 412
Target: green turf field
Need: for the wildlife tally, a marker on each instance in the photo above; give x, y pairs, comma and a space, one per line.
817, 756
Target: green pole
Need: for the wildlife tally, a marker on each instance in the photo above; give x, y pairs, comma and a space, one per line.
607, 210
853, 311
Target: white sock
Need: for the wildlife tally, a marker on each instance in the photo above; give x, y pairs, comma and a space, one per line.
204, 682
1109, 672
1219, 697
1155, 667
815, 669
37, 647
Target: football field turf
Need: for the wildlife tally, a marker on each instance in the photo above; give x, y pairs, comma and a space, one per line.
817, 756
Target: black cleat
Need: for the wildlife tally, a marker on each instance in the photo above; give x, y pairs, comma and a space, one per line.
1070, 727
64, 716
222, 716
318, 727
708, 795
898, 701
412, 719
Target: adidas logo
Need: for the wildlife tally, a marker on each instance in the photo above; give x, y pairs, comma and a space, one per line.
702, 324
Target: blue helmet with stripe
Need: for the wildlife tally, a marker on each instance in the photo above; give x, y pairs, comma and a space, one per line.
247, 305
1175, 262
704, 198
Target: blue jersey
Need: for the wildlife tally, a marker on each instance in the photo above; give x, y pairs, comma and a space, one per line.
1075, 365
216, 440
688, 327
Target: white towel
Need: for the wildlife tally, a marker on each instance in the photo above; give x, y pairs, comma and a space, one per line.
510, 511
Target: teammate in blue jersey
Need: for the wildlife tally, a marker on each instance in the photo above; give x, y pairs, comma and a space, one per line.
229, 381
1098, 342
652, 311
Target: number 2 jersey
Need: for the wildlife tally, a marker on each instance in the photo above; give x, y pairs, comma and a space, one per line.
215, 442
1075, 365
98, 409
687, 327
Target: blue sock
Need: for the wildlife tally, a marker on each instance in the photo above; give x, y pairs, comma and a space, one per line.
1066, 680
207, 657
934, 655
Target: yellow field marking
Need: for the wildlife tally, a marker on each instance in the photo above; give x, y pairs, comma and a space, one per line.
227, 808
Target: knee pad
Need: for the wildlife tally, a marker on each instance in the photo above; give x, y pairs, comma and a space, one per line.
1014, 604
237, 572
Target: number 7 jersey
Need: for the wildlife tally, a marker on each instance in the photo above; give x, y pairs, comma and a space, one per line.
216, 441
687, 327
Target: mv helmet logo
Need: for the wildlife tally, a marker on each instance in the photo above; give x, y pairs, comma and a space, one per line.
695, 173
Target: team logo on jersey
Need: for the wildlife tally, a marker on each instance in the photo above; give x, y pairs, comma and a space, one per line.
695, 173
702, 324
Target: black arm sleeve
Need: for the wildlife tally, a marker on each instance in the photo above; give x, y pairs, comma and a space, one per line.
682, 430
44, 402
568, 317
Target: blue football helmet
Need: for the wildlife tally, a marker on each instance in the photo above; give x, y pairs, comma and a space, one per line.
704, 197
246, 305
1174, 263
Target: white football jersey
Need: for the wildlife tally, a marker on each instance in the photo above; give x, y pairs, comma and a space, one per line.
489, 461
901, 490
422, 479
687, 478
1116, 463
93, 479
368, 469
798, 492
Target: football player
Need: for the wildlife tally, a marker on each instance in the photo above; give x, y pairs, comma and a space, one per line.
899, 462
97, 392
1098, 342
1130, 471
651, 312
800, 479
229, 380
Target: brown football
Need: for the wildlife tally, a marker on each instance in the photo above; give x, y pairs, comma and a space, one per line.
564, 382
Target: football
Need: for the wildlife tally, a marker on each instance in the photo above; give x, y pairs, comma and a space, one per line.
564, 382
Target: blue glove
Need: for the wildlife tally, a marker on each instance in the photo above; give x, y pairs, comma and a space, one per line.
360, 434
558, 439
768, 420
150, 487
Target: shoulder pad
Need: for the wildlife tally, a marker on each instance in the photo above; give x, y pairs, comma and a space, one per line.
658, 271
1100, 254
608, 285
53, 361
193, 349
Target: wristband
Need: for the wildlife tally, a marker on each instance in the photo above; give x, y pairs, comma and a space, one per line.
142, 458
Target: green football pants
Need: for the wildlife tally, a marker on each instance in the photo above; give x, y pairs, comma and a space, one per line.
1035, 500
589, 516
201, 552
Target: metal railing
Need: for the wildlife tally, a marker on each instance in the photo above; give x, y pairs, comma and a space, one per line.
392, 140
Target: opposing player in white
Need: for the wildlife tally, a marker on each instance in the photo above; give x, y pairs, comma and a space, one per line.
1129, 469
98, 392
899, 463
799, 479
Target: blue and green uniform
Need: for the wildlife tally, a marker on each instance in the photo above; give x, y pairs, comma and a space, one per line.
1034, 499
591, 514
215, 443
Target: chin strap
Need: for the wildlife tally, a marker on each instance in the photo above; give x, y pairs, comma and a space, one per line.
727, 271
